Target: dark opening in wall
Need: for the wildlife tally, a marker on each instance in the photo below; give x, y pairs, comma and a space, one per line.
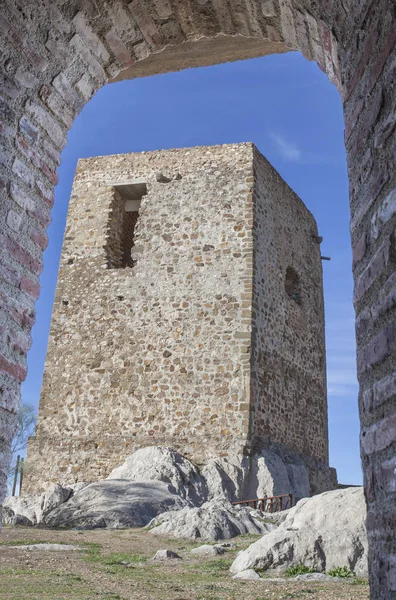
123, 217
292, 285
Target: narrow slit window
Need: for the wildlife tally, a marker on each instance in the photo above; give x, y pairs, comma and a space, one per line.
122, 222
293, 285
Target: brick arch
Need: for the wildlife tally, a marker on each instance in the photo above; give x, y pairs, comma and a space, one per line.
55, 55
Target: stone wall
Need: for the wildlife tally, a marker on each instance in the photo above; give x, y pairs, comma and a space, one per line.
161, 352
288, 346
56, 54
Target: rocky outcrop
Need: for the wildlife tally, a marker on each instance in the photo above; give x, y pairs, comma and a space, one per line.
115, 504
157, 463
265, 474
217, 519
124, 500
31, 509
322, 532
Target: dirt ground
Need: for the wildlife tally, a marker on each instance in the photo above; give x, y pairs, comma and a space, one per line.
117, 565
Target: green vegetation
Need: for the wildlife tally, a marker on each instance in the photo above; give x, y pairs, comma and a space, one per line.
295, 570
214, 568
341, 572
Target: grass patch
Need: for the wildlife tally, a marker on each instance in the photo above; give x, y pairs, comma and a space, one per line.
119, 558
295, 570
214, 568
344, 572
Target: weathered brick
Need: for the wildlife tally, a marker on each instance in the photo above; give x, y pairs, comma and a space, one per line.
14, 220
92, 64
383, 214
23, 171
17, 372
95, 44
9, 274
369, 117
23, 199
9, 87
23, 314
287, 24
387, 47
379, 436
46, 193
119, 49
39, 237
7, 133
384, 389
30, 287
6, 111
86, 87
146, 23
41, 213
375, 268
63, 83
359, 249
302, 34
10, 398
51, 152
44, 118
378, 349
26, 78
58, 47
21, 342
362, 64
56, 104
27, 128
366, 200
21, 255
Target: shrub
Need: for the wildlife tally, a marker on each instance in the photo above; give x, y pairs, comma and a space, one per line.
341, 572
295, 570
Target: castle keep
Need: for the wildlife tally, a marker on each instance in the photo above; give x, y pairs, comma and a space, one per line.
188, 313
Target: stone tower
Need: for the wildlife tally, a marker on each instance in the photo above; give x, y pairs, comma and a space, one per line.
188, 313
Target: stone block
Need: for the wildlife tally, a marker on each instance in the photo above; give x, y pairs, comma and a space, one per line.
42, 116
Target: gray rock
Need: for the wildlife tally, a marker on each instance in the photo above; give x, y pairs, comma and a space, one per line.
54, 497
164, 464
22, 509
10, 518
165, 555
316, 577
47, 547
207, 550
262, 475
248, 574
32, 508
115, 504
322, 532
215, 520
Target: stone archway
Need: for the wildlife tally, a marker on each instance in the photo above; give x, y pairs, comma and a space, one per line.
55, 55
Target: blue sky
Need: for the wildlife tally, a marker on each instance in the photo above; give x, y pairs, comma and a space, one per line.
289, 109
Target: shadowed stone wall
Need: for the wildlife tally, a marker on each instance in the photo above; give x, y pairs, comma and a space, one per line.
198, 345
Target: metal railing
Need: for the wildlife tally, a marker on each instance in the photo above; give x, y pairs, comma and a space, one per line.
269, 504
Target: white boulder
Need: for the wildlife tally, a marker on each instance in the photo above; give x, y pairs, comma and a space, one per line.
158, 463
215, 520
264, 474
115, 504
248, 574
322, 532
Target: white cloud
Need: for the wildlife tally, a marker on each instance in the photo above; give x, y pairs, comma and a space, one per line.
286, 149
